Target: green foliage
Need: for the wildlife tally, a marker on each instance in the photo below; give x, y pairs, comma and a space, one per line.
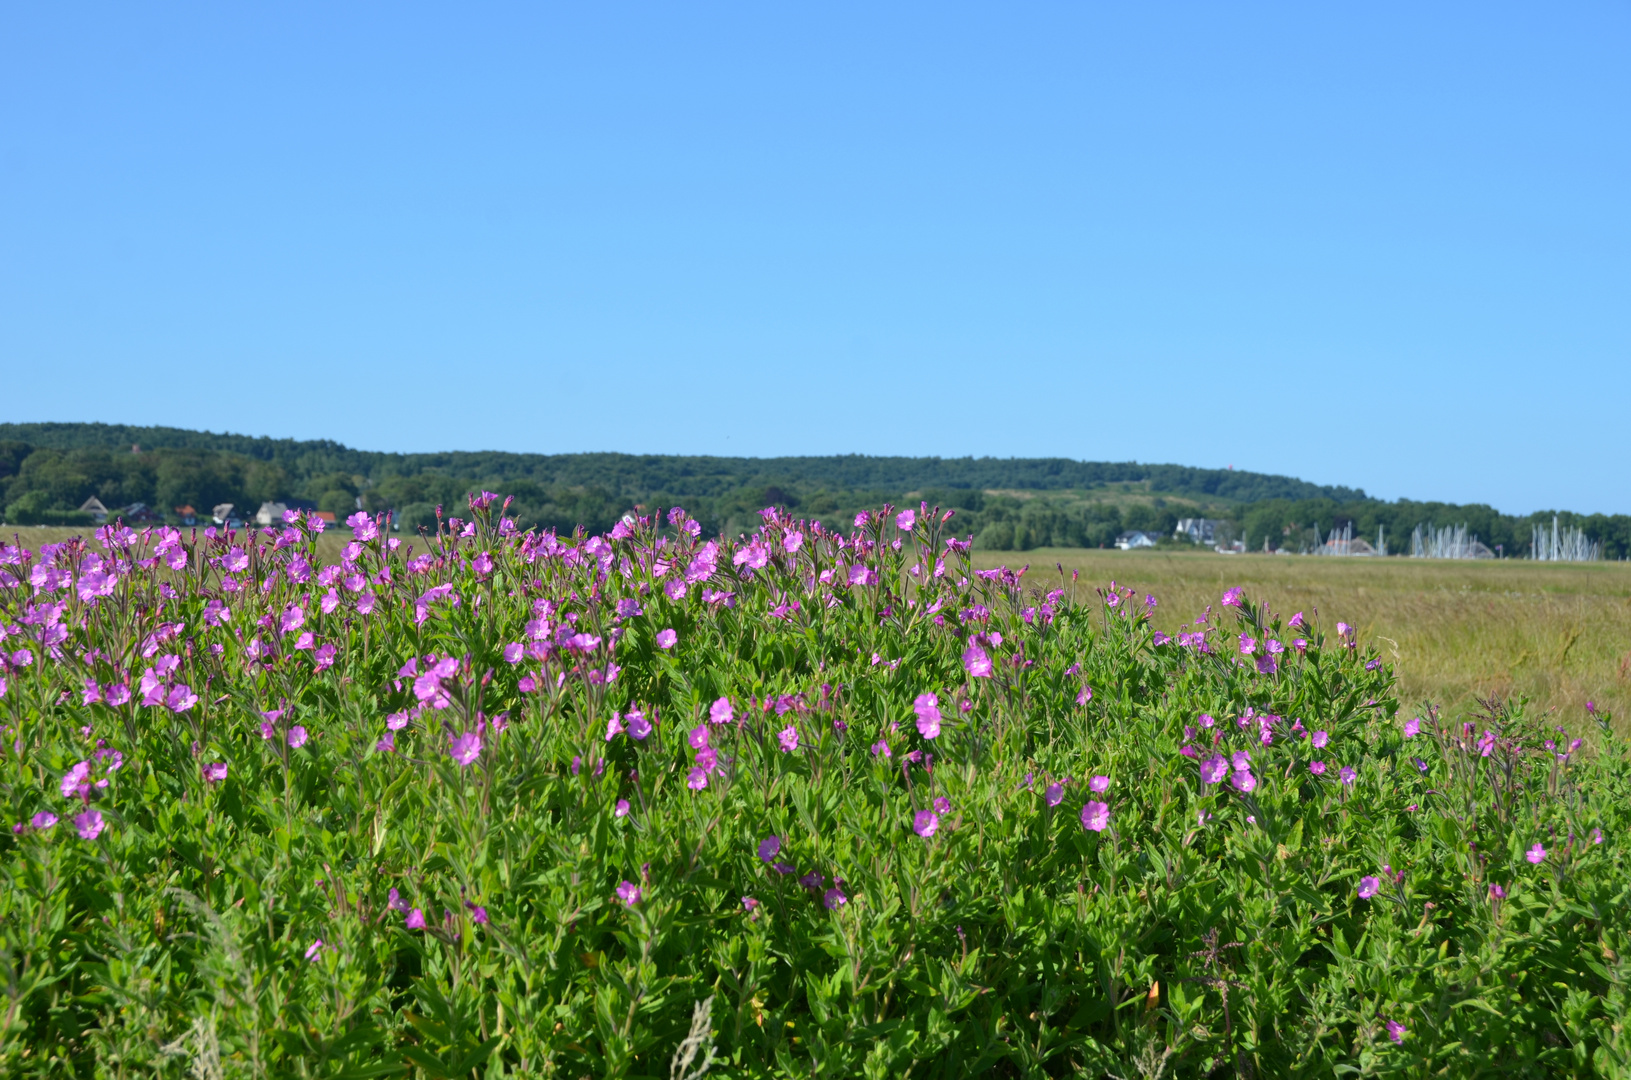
256, 924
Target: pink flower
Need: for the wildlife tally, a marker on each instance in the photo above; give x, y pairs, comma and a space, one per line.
1095, 816
1214, 769
639, 726
880, 748
1320, 739
314, 950
620, 808
1368, 886
667, 638
720, 712
297, 737
629, 893
1248, 644
1055, 794
1412, 727
513, 652
293, 618
792, 542
1536, 855
1243, 780
1396, 1031
1099, 784
466, 748
89, 824
905, 520
1347, 774
927, 707
44, 819
697, 779
1317, 768
925, 823
181, 698
942, 805
614, 727
788, 738
117, 694
215, 772
1232, 597
769, 848
834, 898
977, 662
415, 920
1296, 621
76, 782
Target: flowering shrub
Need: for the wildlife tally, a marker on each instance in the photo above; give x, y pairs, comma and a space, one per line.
500, 802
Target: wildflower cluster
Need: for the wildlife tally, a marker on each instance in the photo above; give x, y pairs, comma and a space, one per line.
517, 802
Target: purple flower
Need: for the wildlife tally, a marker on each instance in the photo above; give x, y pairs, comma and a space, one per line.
769, 848
1412, 727
1095, 816
466, 748
614, 727
1055, 794
415, 920
478, 914
1347, 774
1320, 739
1317, 768
834, 898
621, 809
629, 893
90, 824
1243, 780
1536, 854
749, 903
1596, 836
942, 805
925, 823
667, 638
1396, 1031
880, 748
181, 698
720, 712
1232, 597
1248, 644
1496, 892
215, 772
44, 819
977, 662
297, 737
905, 520
927, 707
788, 738
697, 779
513, 652
395, 902
698, 737
1214, 769
76, 782
314, 950
1099, 784
639, 726
1368, 886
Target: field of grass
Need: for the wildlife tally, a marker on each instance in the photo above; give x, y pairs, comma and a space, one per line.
1558, 634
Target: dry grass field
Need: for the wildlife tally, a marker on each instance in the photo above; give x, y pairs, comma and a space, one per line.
1558, 634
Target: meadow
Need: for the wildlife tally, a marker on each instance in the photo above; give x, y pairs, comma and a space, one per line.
1454, 631
316, 802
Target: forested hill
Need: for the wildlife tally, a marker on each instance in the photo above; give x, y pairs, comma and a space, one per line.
47, 471
638, 476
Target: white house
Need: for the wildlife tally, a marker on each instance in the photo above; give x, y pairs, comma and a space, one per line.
1127, 541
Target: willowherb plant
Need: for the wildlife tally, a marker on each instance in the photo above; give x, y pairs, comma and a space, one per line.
496, 802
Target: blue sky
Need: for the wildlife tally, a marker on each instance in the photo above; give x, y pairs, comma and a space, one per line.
1381, 245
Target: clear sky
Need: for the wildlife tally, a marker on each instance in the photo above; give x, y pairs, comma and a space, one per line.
1379, 245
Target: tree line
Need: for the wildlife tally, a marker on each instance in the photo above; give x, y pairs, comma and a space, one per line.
48, 470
